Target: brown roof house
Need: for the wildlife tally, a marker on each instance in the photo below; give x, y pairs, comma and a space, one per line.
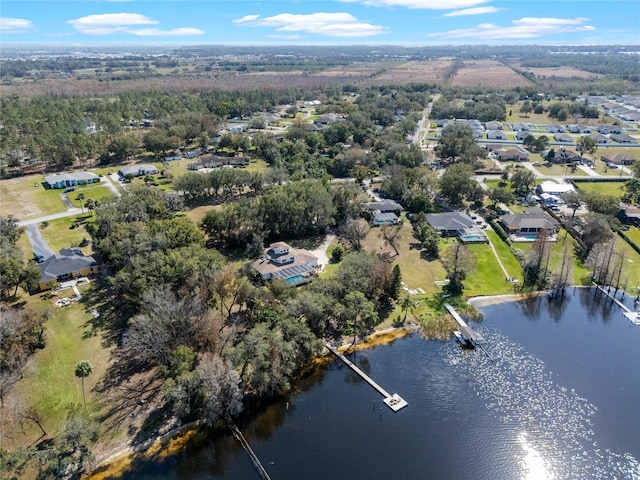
68, 265
618, 159
525, 226
292, 265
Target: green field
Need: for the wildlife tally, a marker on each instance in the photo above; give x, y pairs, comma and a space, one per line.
604, 188
50, 385
58, 233
99, 193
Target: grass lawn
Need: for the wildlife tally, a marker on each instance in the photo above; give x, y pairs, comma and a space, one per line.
59, 234
508, 259
487, 278
417, 271
580, 271
559, 170
259, 166
25, 197
100, 193
49, 383
604, 188
634, 234
601, 169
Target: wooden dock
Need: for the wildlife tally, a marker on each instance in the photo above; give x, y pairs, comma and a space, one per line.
393, 401
630, 314
466, 335
247, 448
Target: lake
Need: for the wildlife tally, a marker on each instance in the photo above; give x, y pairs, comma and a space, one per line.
558, 399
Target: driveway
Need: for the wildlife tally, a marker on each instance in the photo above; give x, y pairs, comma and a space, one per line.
321, 251
37, 242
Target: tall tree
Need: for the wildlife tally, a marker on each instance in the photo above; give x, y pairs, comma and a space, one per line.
458, 142
586, 144
83, 370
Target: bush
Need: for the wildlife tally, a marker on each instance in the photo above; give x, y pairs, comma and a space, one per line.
337, 254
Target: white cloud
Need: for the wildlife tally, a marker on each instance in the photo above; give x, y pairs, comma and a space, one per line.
110, 23
421, 4
327, 24
176, 32
521, 28
15, 25
472, 11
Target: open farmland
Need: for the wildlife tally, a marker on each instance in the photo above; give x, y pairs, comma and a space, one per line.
434, 71
557, 72
487, 72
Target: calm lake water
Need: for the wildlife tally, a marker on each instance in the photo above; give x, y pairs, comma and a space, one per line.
560, 399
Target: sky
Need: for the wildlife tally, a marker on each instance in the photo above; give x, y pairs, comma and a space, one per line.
328, 22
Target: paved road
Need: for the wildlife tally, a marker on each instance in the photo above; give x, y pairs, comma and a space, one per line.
37, 242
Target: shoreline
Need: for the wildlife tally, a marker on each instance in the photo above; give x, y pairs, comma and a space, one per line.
119, 460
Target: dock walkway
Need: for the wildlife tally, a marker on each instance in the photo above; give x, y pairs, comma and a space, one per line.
247, 448
393, 401
630, 314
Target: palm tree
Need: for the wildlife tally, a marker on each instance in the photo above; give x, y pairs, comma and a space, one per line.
83, 369
407, 304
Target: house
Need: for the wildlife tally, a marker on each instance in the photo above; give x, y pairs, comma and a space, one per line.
566, 156
493, 125
384, 206
379, 218
450, 224
553, 188
555, 128
608, 129
172, 158
522, 134
562, 137
512, 154
291, 265
138, 170
517, 127
496, 135
527, 225
457, 224
214, 161
69, 264
599, 138
578, 128
623, 138
66, 180
630, 214
618, 159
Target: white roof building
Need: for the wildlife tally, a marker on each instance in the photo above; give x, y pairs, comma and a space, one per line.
553, 188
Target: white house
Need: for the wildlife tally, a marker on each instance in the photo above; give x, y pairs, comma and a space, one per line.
553, 188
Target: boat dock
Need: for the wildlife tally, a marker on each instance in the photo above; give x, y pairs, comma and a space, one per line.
630, 314
394, 401
247, 448
466, 333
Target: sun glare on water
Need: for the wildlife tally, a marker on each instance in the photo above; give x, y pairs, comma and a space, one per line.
534, 467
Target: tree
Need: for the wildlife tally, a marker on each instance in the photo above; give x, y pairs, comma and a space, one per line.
522, 181
392, 234
458, 261
354, 231
526, 108
457, 184
83, 370
573, 201
586, 144
407, 304
458, 142
360, 313
501, 195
